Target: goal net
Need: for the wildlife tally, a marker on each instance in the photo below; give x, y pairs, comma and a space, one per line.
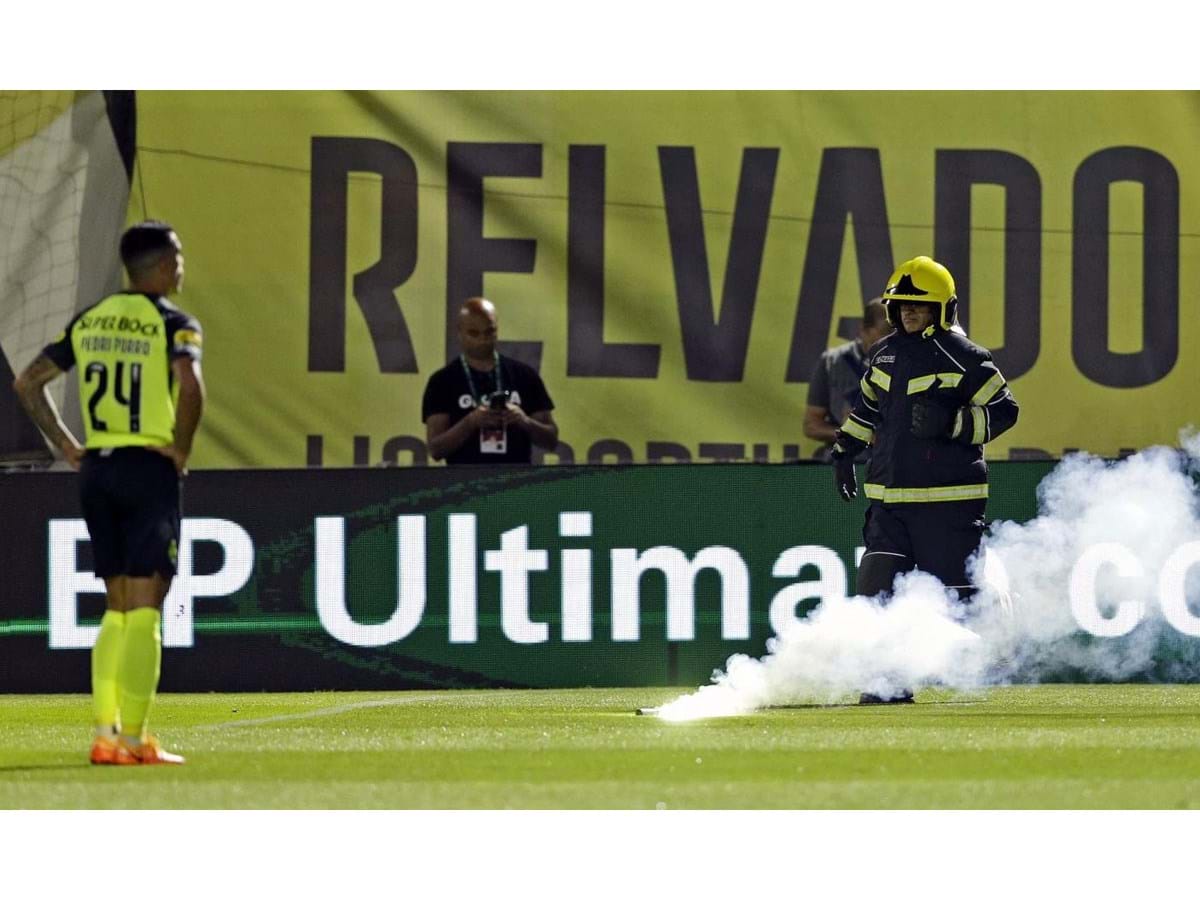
64, 184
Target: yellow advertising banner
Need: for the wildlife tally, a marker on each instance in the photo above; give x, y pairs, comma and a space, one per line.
673, 263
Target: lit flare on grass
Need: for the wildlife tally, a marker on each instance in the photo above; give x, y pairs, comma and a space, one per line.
846, 647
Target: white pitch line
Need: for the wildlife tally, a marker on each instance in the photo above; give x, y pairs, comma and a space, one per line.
312, 714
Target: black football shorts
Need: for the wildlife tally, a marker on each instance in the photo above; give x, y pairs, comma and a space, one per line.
130, 499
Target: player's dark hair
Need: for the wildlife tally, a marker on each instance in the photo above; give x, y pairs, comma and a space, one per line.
874, 313
143, 245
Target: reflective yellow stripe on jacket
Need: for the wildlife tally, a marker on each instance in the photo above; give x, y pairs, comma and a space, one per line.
979, 420
854, 429
990, 389
925, 382
926, 495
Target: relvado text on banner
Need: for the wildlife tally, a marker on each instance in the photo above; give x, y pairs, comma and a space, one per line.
673, 263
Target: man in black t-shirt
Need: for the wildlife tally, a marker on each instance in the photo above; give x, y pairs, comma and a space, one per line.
483, 407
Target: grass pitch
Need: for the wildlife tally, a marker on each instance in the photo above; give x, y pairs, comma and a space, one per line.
1035, 747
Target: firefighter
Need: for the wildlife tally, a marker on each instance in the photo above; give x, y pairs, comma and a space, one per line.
930, 400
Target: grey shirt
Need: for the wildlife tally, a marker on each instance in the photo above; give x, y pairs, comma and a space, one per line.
835, 380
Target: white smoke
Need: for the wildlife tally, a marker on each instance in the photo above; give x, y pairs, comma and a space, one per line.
1021, 626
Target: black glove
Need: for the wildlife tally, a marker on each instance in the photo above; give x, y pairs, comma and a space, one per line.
843, 476
930, 419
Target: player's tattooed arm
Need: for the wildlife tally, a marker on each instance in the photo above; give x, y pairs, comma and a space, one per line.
30, 386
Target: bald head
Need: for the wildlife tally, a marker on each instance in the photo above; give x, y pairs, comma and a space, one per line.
478, 306
477, 331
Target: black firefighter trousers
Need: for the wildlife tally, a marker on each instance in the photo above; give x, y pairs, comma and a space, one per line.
937, 538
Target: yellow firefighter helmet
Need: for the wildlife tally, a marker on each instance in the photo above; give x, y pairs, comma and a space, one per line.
921, 280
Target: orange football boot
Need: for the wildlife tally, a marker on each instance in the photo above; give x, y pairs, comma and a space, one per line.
148, 753
104, 752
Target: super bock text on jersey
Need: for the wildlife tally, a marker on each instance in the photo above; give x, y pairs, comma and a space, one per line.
123, 347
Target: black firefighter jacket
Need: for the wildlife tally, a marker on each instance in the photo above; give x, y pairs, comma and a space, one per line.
939, 366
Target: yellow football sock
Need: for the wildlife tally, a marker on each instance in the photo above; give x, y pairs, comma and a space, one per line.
106, 664
140, 664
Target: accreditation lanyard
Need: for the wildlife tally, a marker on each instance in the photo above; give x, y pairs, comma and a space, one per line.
471, 381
